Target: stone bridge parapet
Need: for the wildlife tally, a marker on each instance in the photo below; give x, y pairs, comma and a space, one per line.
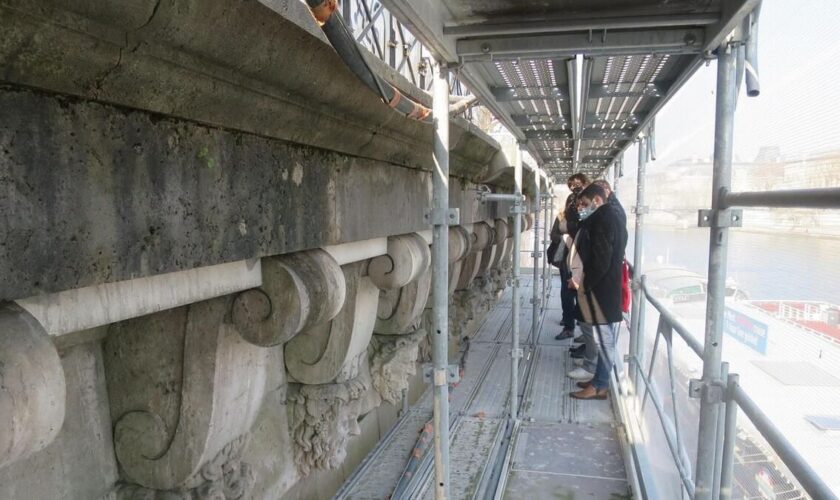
214, 254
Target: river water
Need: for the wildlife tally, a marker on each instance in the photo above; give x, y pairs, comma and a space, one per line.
766, 266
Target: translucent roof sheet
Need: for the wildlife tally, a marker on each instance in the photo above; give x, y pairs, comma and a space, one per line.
522, 58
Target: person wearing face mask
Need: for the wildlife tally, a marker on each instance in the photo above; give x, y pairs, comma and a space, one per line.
626, 296
596, 264
567, 226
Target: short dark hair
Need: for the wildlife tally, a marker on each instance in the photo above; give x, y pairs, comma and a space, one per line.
592, 190
578, 176
603, 183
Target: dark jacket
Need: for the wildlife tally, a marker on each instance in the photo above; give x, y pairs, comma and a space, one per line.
601, 250
614, 201
556, 241
571, 215
572, 219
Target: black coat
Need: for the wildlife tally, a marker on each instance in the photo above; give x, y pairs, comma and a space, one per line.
614, 201
571, 215
572, 219
601, 249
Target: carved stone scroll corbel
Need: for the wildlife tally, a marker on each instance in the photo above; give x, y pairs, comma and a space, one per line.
482, 237
505, 261
224, 477
299, 290
183, 385
527, 222
401, 301
488, 255
32, 387
333, 350
460, 242
407, 258
501, 241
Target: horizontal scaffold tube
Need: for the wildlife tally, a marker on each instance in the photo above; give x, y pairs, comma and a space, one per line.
790, 198
324, 12
501, 197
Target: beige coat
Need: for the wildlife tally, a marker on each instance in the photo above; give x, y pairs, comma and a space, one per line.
575, 265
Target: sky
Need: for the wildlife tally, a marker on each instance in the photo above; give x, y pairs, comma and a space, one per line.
797, 110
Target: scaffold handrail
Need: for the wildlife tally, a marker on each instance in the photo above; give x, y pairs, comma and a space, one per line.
672, 320
804, 474
796, 464
670, 427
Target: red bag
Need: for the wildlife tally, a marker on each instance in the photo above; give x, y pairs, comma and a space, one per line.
625, 287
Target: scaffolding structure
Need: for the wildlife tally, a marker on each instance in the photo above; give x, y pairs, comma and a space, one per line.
628, 64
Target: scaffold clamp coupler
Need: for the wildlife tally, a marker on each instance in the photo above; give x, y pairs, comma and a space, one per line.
536, 255
709, 392
720, 218
449, 375
640, 210
516, 353
435, 217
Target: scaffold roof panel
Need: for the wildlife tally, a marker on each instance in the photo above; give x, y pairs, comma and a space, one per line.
576, 80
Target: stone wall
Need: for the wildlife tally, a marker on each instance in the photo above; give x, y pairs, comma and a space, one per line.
216, 268
239, 396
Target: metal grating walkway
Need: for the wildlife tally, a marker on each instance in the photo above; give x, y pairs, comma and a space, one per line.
563, 448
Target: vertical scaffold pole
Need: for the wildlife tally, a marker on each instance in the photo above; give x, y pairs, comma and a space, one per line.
535, 296
547, 222
515, 351
710, 400
721, 426
440, 280
729, 436
637, 304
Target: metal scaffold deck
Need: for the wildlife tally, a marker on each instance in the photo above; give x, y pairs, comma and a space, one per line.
561, 446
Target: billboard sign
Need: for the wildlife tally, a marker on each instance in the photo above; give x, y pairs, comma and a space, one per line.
746, 330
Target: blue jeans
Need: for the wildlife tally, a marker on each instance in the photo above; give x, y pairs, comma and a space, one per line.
590, 347
606, 337
568, 299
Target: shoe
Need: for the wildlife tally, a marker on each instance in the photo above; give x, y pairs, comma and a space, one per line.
578, 349
565, 334
580, 374
584, 385
577, 361
590, 393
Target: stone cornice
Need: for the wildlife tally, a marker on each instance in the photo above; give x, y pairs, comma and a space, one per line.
242, 66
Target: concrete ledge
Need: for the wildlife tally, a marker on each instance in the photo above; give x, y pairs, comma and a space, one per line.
94, 193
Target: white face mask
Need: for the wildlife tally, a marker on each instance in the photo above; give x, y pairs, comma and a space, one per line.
583, 213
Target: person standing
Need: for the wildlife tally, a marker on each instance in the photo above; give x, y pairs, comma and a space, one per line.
599, 291
569, 225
